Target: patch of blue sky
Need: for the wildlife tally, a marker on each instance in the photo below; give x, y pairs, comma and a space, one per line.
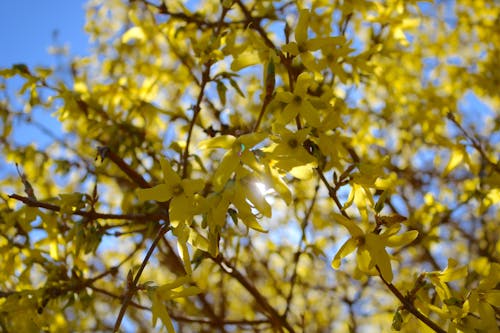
28, 29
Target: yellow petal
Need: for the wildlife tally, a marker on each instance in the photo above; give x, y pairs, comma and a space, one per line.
251, 222
197, 240
304, 80
324, 42
488, 317
161, 192
181, 210
353, 229
245, 212
452, 272
291, 48
302, 24
309, 61
172, 285
289, 113
457, 156
134, 33
310, 114
379, 257
250, 140
303, 172
170, 177
257, 199
493, 297
223, 141
245, 59
403, 239
159, 311
186, 292
229, 164
184, 252
346, 249
284, 96
192, 186
278, 184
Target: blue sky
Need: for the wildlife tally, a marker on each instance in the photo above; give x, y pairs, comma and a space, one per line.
26, 30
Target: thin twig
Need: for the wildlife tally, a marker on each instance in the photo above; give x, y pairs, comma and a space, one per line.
89, 214
274, 316
409, 305
475, 143
134, 175
133, 287
303, 226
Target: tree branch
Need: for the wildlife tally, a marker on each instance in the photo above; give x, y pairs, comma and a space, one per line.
132, 288
274, 316
408, 305
88, 214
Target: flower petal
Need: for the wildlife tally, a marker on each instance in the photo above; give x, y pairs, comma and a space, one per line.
192, 186
223, 141
346, 249
379, 257
403, 239
291, 48
161, 192
229, 164
353, 229
304, 80
302, 24
181, 210
310, 114
170, 177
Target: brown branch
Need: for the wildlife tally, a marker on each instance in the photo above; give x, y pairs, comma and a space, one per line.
132, 288
475, 143
332, 192
120, 163
266, 102
110, 294
303, 226
224, 322
273, 315
408, 305
88, 214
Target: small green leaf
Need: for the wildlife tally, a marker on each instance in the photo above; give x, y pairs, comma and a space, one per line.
234, 215
270, 77
21, 68
234, 84
381, 201
221, 90
397, 321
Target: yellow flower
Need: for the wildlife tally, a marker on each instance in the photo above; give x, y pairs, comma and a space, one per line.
289, 153
181, 192
371, 246
298, 103
239, 153
302, 45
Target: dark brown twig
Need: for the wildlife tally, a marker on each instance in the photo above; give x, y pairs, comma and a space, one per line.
133, 287
88, 214
408, 305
